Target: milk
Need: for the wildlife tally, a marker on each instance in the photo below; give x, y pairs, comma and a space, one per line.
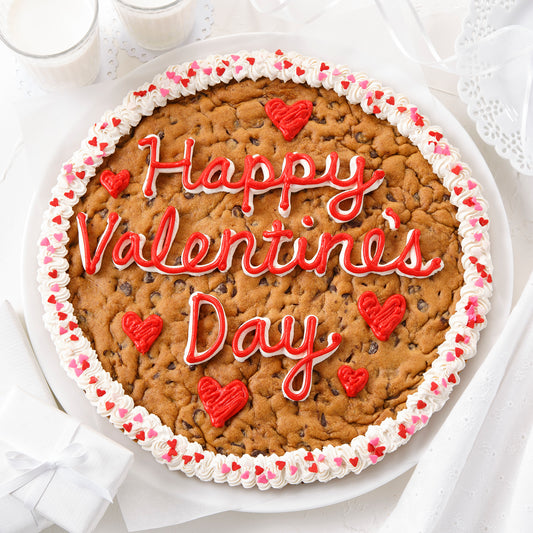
57, 39
157, 24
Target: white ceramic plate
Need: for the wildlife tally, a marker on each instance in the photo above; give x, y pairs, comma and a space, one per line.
291, 498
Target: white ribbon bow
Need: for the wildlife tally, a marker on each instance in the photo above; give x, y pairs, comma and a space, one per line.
30, 469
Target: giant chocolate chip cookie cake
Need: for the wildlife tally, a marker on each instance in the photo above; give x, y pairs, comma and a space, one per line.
265, 268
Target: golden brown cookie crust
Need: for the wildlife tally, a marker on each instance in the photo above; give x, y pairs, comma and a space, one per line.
230, 121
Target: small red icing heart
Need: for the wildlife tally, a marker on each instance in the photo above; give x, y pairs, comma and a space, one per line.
354, 461
289, 119
115, 183
143, 333
382, 319
353, 381
221, 403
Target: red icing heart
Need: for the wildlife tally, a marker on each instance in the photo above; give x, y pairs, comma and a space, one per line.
353, 381
115, 183
381, 319
116, 121
289, 119
221, 403
354, 461
143, 333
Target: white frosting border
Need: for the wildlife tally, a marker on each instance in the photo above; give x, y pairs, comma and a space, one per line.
81, 362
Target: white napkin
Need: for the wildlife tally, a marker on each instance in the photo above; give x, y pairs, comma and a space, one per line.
17, 362
62, 470
477, 474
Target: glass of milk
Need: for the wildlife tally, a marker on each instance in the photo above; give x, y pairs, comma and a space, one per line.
56, 39
157, 24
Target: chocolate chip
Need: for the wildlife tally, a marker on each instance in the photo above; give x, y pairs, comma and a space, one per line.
192, 368
373, 154
155, 376
147, 159
125, 287
186, 424
323, 421
411, 346
196, 414
172, 366
411, 289
263, 281
237, 211
103, 212
148, 277
360, 137
335, 392
254, 141
188, 195
390, 197
373, 348
422, 305
161, 134
221, 288
179, 285
155, 297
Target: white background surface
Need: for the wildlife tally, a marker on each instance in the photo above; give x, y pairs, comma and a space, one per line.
366, 512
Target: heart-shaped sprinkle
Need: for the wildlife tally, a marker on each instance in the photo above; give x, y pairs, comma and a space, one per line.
207, 70
390, 100
138, 418
289, 119
115, 121
478, 236
45, 242
109, 406
382, 319
187, 459
280, 465
245, 474
278, 65
163, 91
220, 71
259, 470
321, 457
309, 457
122, 412
450, 356
68, 167
100, 392
92, 380
293, 469
47, 260
313, 468
166, 457
338, 461
59, 306
322, 76
374, 458
54, 287
73, 363
345, 84
262, 479
374, 441
300, 71
421, 404
222, 403
115, 183
225, 468
88, 161
238, 68
354, 461
198, 457
271, 475
143, 333
363, 84
424, 418
127, 426
235, 57
235, 466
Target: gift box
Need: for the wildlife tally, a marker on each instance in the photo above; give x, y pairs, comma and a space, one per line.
54, 467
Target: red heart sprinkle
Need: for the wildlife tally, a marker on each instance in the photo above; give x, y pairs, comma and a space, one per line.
259, 470
92, 380
57, 219
289, 119
313, 468
280, 465
172, 443
225, 62
220, 71
459, 338
172, 452
85, 365
72, 325
187, 458
250, 60
100, 392
376, 110
345, 84
379, 95
81, 174
61, 315
323, 67
300, 71
185, 82
402, 432
483, 221
456, 170
421, 404
353, 381
128, 426
74, 338
69, 194
459, 352
143, 333
115, 183
354, 461
140, 435
53, 274
221, 403
278, 52
434, 386
103, 146
382, 319
452, 379
402, 109
198, 457
457, 190
54, 202
109, 406
139, 93
191, 72
115, 121
390, 100
235, 466
93, 141
51, 299
287, 64
152, 87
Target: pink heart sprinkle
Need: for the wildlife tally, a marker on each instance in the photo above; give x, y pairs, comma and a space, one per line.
467, 340
152, 433
58, 236
271, 475
478, 236
225, 468
293, 469
170, 74
207, 70
59, 306
166, 457
479, 282
68, 168
62, 330
104, 125
478, 207
238, 68
122, 412
82, 357
338, 461
322, 76
450, 356
336, 72
415, 419
245, 474
47, 260
351, 78
444, 383
235, 58
321, 457
363, 84
70, 178
177, 78
262, 479
45, 242
51, 249
375, 441
195, 65
73, 364
138, 417
78, 371
164, 92
278, 65
473, 221
424, 418
374, 458
410, 429
436, 392
471, 184
88, 161
54, 287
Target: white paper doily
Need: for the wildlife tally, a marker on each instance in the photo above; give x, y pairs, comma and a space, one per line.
496, 100
114, 36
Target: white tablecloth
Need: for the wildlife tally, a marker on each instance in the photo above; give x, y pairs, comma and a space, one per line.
365, 513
